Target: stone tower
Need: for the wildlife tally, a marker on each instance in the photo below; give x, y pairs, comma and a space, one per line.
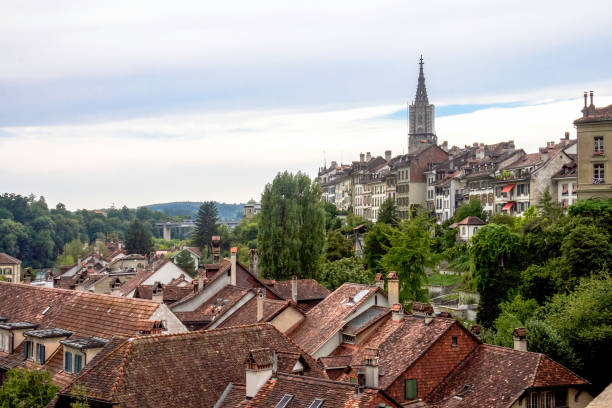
421, 116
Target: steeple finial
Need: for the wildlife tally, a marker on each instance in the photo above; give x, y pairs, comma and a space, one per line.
421, 94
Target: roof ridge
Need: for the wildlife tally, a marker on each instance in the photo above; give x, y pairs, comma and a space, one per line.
121, 371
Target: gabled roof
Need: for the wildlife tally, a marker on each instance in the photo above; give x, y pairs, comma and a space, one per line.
471, 220
307, 289
195, 250
498, 376
6, 259
85, 314
305, 390
247, 314
326, 318
599, 115
196, 367
215, 307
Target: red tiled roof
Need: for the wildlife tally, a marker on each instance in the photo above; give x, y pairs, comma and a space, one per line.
85, 314
471, 220
215, 307
247, 314
196, 367
498, 376
304, 391
600, 115
6, 259
326, 318
307, 289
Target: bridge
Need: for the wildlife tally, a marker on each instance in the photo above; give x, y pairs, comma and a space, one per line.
167, 227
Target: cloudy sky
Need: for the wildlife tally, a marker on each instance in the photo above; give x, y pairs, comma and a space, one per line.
138, 102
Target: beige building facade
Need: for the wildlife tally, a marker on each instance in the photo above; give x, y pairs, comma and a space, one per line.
10, 268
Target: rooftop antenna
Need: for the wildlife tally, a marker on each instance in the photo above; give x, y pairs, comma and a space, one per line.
324, 160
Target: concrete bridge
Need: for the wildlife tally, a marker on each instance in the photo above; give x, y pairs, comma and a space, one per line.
167, 227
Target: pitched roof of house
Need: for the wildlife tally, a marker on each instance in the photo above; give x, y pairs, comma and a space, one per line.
247, 314
307, 289
471, 220
171, 293
196, 367
195, 250
215, 307
600, 115
6, 259
494, 376
326, 318
141, 276
304, 390
85, 314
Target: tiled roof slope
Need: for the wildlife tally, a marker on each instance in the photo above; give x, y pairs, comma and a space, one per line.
196, 367
472, 220
140, 277
498, 376
214, 307
172, 293
6, 259
85, 314
247, 314
600, 115
308, 289
327, 317
305, 390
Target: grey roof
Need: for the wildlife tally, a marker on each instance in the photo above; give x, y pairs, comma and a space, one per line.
18, 325
85, 343
49, 333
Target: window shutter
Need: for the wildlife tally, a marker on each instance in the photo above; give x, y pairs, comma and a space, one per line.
25, 348
78, 363
68, 362
411, 389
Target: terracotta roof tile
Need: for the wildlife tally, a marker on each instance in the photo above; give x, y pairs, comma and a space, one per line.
247, 314
308, 289
215, 307
600, 115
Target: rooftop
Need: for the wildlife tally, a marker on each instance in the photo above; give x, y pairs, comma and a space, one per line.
48, 333
85, 343
599, 115
6, 259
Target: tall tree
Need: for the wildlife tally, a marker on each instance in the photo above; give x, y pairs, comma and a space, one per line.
291, 227
206, 225
337, 246
386, 213
473, 208
138, 239
409, 254
377, 242
27, 389
185, 261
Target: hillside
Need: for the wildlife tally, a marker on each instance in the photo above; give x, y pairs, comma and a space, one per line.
190, 209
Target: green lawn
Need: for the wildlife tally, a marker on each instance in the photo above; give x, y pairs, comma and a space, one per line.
443, 280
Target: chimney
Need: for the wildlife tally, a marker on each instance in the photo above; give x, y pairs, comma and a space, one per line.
392, 288
475, 330
388, 155
201, 279
294, 289
379, 281
544, 153
254, 262
334, 165
585, 99
567, 135
591, 94
261, 294
234, 252
370, 362
397, 313
520, 339
361, 157
368, 156
259, 367
216, 249
157, 294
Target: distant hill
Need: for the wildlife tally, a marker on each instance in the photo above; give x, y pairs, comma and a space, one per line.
190, 209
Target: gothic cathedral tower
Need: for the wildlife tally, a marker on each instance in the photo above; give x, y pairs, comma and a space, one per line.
421, 117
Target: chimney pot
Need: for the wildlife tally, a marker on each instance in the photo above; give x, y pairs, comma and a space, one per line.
294, 289
368, 156
257, 373
370, 358
392, 288
520, 338
260, 304
387, 155
397, 313
567, 135
380, 281
591, 93
233, 266
585, 99
361, 157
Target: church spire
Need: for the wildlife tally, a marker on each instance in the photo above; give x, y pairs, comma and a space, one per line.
421, 94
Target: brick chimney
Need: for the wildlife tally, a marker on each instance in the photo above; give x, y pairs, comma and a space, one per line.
388, 155
294, 289
261, 295
520, 338
379, 281
216, 249
397, 313
392, 288
234, 252
361, 157
368, 156
254, 262
259, 367
370, 362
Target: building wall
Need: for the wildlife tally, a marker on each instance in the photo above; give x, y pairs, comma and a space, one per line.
584, 398
11, 271
287, 319
542, 178
571, 195
173, 324
586, 159
435, 364
165, 274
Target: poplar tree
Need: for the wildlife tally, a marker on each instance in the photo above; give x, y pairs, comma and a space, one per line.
291, 227
206, 225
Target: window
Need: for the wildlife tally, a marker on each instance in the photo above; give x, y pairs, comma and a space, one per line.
598, 147
598, 173
28, 349
454, 339
317, 403
78, 363
68, 362
411, 389
40, 353
284, 401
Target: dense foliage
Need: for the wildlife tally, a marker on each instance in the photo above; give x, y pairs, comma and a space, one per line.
32, 232
138, 239
27, 389
185, 261
205, 225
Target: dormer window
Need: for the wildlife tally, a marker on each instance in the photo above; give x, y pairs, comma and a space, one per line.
73, 362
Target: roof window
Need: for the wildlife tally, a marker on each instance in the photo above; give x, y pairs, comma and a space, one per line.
317, 403
284, 401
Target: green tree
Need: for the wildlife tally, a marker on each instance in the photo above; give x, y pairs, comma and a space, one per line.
513, 313
332, 221
409, 254
540, 282
206, 225
586, 249
542, 338
291, 227
387, 212
138, 239
79, 397
27, 389
377, 242
334, 274
496, 259
473, 208
503, 219
184, 261
337, 246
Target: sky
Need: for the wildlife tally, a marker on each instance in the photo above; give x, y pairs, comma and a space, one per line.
141, 102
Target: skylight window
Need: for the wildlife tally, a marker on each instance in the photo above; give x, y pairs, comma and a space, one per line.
360, 295
46, 310
317, 403
284, 401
